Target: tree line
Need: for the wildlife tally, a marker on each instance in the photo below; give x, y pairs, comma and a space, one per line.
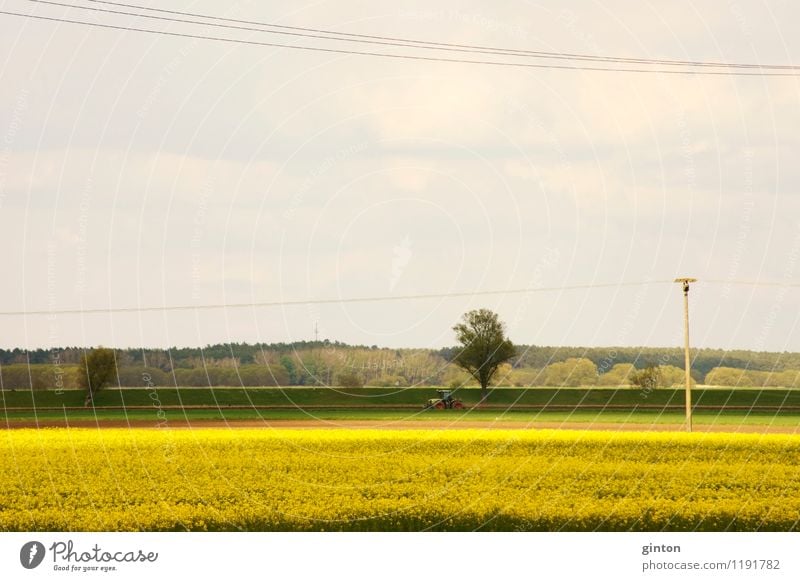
527, 356
349, 366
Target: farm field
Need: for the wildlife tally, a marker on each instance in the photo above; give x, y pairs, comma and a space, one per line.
774, 409
396, 480
403, 397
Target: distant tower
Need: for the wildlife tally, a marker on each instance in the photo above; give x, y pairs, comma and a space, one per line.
316, 332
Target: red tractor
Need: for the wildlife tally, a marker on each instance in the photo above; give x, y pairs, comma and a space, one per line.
445, 401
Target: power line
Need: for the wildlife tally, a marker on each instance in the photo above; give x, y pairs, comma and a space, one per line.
397, 55
542, 54
376, 299
753, 283
324, 36
346, 300
397, 41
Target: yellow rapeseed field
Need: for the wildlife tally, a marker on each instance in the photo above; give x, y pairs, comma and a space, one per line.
270, 479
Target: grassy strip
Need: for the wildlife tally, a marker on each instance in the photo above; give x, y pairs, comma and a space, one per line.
455, 416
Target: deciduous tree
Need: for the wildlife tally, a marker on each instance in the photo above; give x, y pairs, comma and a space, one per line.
97, 369
484, 346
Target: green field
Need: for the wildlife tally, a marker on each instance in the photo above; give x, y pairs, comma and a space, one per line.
540, 397
776, 407
454, 416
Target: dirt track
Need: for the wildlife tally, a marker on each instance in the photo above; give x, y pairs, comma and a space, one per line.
407, 425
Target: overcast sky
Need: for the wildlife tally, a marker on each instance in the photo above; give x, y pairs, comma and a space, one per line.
144, 170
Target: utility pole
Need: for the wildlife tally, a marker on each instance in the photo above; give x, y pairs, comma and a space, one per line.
687, 363
316, 332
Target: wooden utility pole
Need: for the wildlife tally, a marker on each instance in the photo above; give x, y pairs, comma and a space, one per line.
687, 363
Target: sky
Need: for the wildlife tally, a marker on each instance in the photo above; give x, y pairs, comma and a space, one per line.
141, 170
